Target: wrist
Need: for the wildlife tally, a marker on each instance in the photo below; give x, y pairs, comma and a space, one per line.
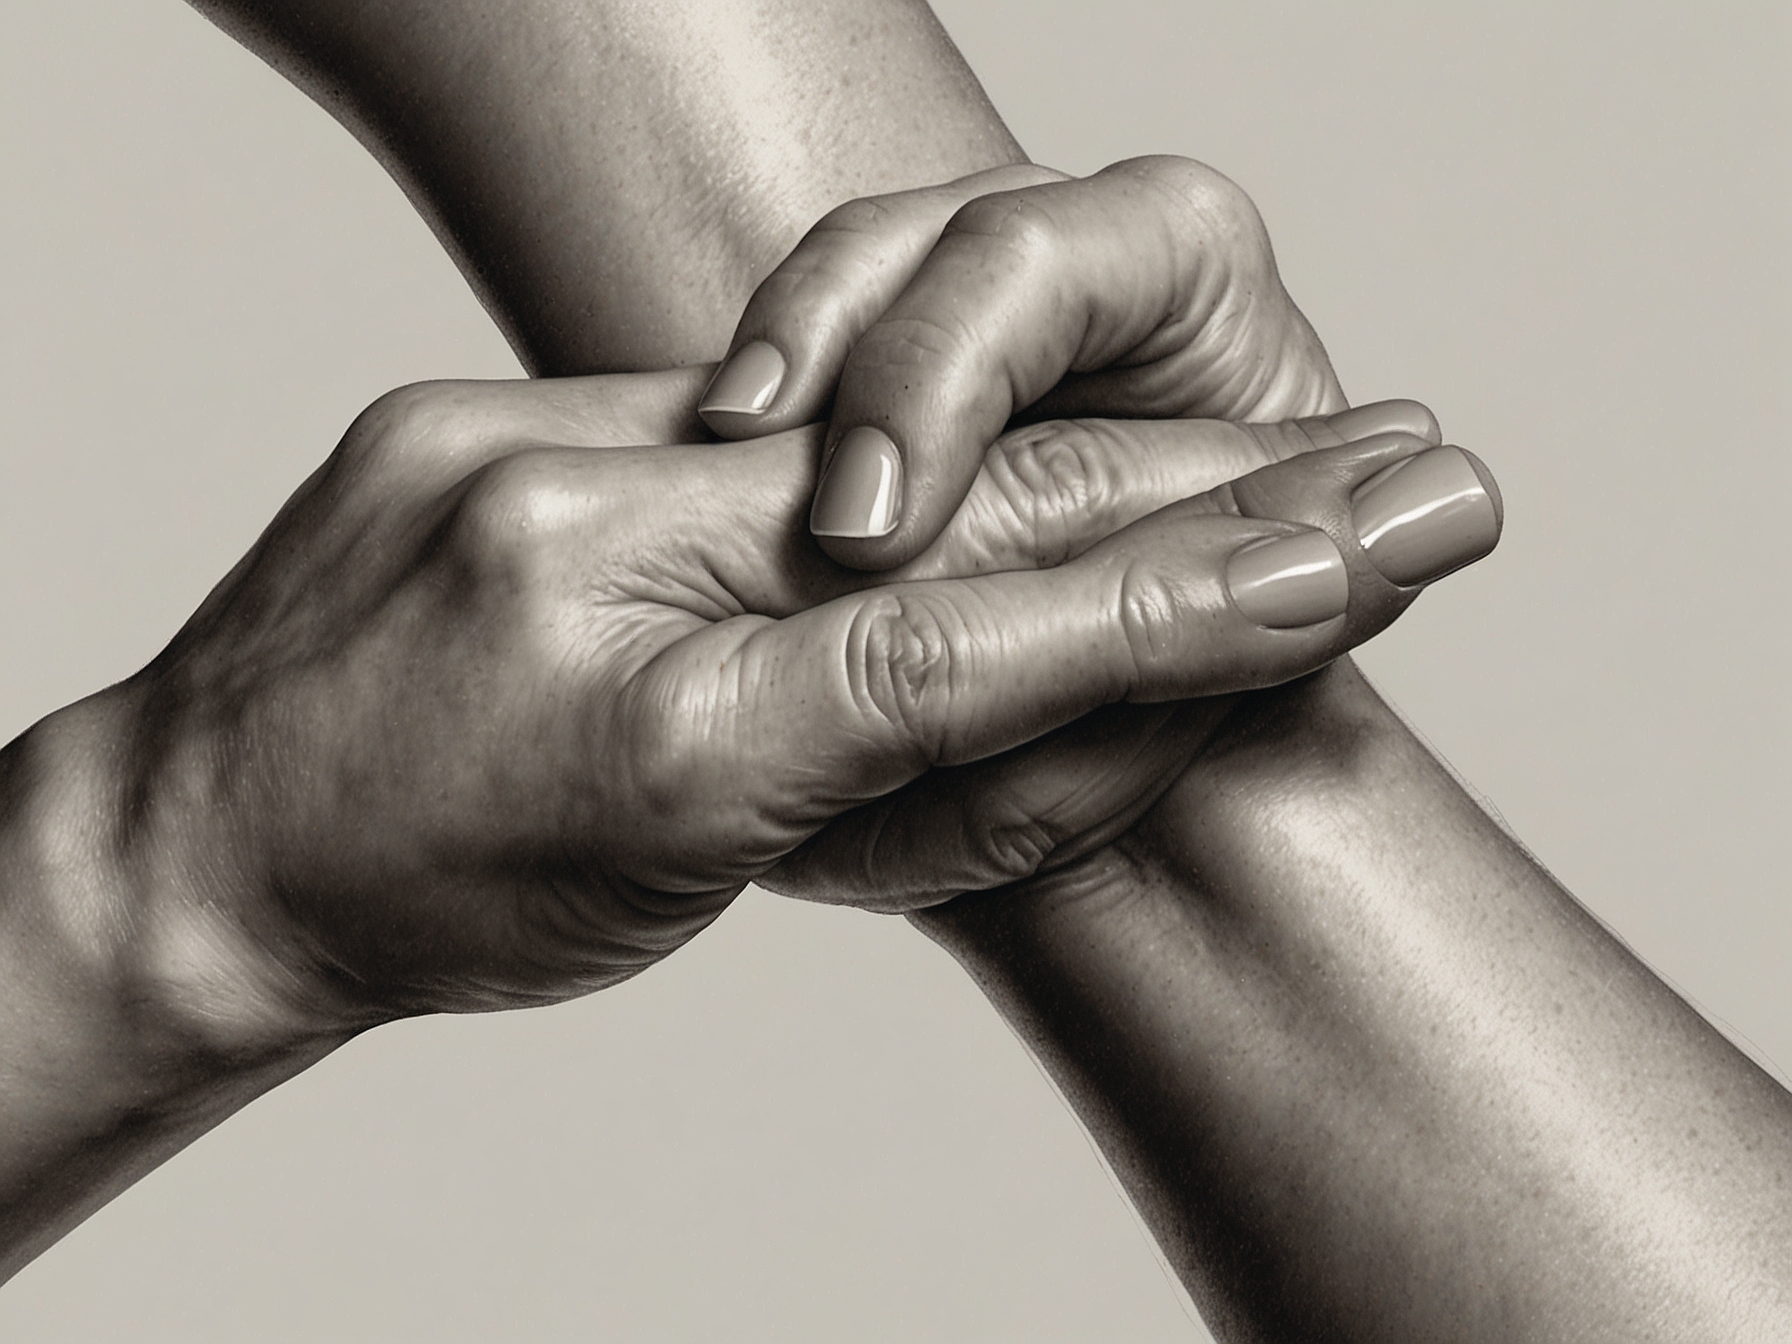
1300, 744
131, 1020
125, 907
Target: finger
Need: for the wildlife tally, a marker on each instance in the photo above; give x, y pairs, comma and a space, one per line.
418, 438
1047, 492
766, 729
606, 410
794, 335
987, 824
728, 517
1032, 809
1157, 272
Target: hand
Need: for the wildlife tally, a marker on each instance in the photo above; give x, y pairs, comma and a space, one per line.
933, 317
499, 711
1041, 807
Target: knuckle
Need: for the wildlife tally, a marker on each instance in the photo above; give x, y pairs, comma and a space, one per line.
845, 272
856, 218
1224, 251
1013, 223
1151, 611
906, 343
827, 282
1011, 844
1221, 198
508, 514
1051, 480
841, 252
434, 418
901, 665
1212, 195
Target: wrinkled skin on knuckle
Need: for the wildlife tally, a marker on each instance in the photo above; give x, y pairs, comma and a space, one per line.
864, 217
1152, 612
1293, 379
1011, 231
1207, 205
1009, 842
862, 251
842, 265
1051, 484
901, 345
901, 665
929, 359
1246, 352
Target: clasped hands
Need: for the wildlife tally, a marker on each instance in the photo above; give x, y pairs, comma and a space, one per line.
528, 681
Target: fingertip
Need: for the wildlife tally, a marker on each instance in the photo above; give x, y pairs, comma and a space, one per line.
859, 496
1427, 516
1492, 487
743, 389
871, 510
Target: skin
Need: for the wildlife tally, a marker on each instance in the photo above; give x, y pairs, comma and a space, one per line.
1421, 1093
1399, 1087
615, 179
569, 249
937, 315
216, 872
1359, 1188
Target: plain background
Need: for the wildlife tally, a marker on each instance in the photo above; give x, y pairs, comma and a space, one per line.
1562, 224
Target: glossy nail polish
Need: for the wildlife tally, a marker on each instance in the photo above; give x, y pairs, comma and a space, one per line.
1386, 417
860, 494
1285, 582
747, 382
1425, 516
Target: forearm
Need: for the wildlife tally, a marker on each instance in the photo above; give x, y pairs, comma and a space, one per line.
112, 1056
616, 188
615, 177
1370, 1073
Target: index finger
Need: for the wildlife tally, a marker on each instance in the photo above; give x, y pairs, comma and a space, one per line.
794, 337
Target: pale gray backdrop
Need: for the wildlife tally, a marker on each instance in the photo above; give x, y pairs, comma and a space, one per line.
1564, 225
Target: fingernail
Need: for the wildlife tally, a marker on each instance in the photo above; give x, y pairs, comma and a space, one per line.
1284, 582
860, 494
1386, 417
747, 381
1425, 516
